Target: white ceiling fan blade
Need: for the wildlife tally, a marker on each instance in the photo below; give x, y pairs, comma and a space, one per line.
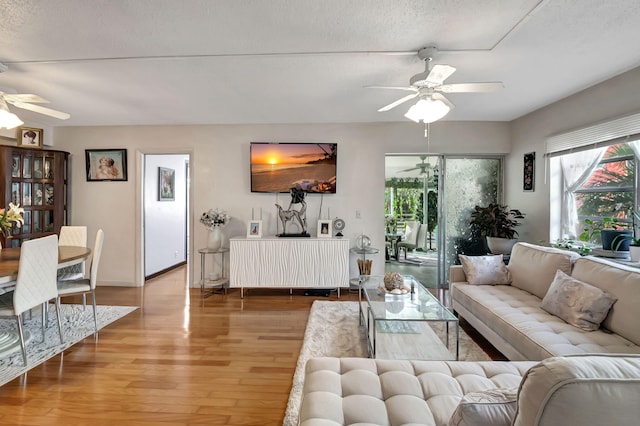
25, 97
439, 97
439, 73
42, 110
410, 89
398, 102
471, 87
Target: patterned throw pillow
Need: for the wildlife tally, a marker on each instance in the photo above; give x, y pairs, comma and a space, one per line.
481, 270
578, 303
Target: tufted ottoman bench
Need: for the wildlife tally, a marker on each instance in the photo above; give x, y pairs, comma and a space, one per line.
585, 390
349, 391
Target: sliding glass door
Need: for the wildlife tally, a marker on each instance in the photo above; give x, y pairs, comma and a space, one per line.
430, 198
465, 182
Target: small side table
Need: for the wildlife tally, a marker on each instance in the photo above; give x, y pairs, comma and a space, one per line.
354, 283
223, 279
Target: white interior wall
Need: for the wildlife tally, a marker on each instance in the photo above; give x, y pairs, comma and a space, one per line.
613, 98
165, 222
220, 177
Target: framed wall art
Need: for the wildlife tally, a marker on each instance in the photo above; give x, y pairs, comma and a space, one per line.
324, 228
106, 164
528, 183
29, 137
166, 184
254, 229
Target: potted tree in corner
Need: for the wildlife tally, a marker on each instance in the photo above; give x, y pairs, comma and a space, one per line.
497, 224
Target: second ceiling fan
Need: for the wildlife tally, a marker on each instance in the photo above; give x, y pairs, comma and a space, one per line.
428, 87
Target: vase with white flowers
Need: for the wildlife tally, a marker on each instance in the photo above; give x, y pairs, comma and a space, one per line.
9, 218
214, 220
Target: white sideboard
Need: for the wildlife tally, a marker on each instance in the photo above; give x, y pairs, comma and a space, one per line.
289, 262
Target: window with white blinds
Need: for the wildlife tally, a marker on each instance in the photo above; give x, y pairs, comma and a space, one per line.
620, 130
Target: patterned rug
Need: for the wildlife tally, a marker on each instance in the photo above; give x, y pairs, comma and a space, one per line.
333, 330
77, 323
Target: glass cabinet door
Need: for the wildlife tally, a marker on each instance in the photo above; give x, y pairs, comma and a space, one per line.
15, 166
38, 168
26, 167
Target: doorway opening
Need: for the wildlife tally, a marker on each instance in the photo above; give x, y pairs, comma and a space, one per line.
165, 184
411, 216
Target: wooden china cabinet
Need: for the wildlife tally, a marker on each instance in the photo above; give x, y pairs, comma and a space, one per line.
37, 179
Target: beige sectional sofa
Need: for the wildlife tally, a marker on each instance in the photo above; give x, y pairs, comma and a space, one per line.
511, 317
560, 374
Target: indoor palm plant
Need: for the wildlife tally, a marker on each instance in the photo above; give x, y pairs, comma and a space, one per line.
497, 223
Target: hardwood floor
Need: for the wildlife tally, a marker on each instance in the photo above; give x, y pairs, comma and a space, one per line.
180, 359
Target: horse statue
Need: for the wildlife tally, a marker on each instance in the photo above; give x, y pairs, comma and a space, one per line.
289, 215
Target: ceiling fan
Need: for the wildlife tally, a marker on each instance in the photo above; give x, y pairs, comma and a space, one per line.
429, 85
26, 101
422, 166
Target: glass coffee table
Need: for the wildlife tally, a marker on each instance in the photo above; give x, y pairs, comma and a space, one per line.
398, 325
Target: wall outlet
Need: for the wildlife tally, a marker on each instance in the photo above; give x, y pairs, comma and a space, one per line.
175, 255
358, 215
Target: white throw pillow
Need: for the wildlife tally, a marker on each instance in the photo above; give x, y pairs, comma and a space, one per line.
492, 407
578, 303
482, 270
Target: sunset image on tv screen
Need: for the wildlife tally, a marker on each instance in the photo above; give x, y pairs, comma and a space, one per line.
278, 167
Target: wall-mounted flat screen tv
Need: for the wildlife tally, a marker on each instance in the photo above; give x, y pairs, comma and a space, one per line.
278, 167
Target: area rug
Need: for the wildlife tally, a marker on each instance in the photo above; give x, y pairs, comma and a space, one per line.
77, 323
333, 330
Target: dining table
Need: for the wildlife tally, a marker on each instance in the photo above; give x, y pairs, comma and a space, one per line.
10, 262
9, 266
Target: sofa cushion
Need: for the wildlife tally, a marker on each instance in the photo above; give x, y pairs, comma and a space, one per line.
516, 316
622, 282
482, 270
578, 303
591, 389
534, 267
491, 407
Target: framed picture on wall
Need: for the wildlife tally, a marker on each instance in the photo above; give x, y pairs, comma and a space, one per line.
106, 164
254, 229
166, 184
324, 228
529, 170
29, 137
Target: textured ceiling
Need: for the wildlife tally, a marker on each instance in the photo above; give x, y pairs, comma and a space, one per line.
117, 62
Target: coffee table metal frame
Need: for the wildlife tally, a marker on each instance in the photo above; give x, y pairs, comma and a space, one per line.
420, 305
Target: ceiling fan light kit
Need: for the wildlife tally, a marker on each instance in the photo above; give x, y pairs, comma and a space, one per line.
8, 120
427, 110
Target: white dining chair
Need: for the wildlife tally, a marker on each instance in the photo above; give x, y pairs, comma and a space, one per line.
85, 286
35, 285
72, 236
